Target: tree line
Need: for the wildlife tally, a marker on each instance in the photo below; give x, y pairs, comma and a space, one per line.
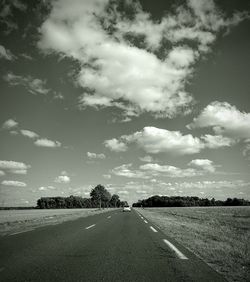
178, 201
99, 198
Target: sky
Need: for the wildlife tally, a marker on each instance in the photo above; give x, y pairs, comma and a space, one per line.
144, 97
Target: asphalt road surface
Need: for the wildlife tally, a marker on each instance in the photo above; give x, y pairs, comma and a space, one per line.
113, 246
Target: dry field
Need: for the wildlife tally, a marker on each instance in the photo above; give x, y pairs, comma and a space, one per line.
14, 221
218, 235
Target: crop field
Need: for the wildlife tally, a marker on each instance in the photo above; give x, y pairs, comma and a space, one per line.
12, 221
218, 235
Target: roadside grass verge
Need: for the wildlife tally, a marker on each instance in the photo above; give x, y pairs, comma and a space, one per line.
12, 221
218, 235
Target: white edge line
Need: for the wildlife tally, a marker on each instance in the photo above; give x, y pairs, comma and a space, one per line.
153, 229
90, 226
20, 232
145, 221
178, 253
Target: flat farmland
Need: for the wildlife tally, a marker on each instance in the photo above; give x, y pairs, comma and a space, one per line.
218, 235
15, 221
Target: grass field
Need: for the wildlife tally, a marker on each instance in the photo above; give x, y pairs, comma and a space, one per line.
12, 221
218, 235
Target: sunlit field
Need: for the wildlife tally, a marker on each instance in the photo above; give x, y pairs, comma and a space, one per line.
20, 220
218, 235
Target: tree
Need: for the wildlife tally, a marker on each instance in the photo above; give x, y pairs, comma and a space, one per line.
124, 204
100, 195
114, 201
177, 201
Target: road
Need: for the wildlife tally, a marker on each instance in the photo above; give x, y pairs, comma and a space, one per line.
113, 246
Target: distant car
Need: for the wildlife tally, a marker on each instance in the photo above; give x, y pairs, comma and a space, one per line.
126, 209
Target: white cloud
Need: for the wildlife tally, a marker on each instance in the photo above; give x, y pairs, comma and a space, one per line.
217, 141
115, 145
6, 54
44, 142
225, 119
33, 85
132, 183
29, 134
205, 164
125, 170
213, 184
14, 167
93, 156
153, 180
155, 140
170, 171
138, 78
46, 188
9, 124
14, 183
123, 192
2, 173
197, 21
146, 159
19, 171
182, 57
106, 176
246, 150
41, 142
151, 170
26, 56
62, 179
141, 192
115, 72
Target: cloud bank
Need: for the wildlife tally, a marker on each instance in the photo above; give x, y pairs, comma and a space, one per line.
14, 183
150, 170
33, 85
120, 53
225, 119
14, 167
157, 140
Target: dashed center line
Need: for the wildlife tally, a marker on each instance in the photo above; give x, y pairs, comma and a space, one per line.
145, 221
90, 226
153, 229
178, 253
